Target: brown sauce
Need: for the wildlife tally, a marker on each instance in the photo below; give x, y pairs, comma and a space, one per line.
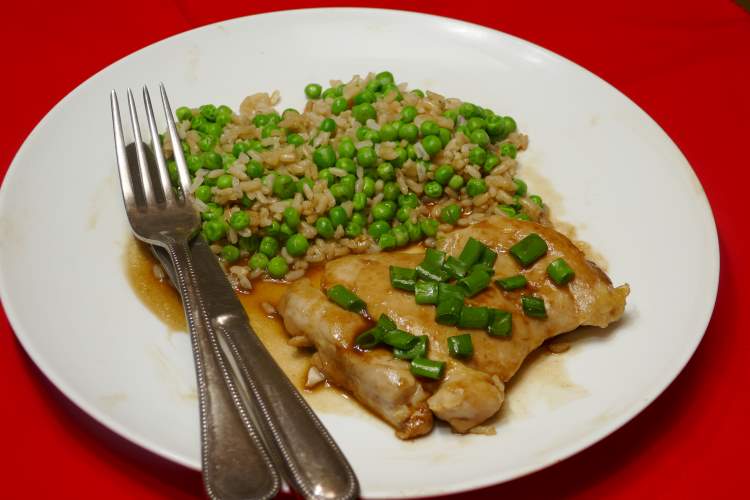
162, 299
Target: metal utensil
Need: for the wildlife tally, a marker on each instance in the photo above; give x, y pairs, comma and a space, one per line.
313, 464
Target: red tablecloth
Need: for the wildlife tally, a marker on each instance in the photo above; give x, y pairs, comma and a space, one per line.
686, 63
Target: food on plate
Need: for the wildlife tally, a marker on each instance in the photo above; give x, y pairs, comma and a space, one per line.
367, 165
407, 355
440, 274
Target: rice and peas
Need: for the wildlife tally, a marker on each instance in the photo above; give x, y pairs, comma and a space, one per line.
367, 166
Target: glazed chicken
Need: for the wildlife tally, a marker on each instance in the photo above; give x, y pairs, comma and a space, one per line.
471, 390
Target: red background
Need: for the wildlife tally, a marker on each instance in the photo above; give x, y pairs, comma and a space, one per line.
687, 63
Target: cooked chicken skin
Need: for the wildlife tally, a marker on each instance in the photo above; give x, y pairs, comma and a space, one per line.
472, 391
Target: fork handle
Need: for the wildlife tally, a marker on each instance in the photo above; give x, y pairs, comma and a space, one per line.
235, 463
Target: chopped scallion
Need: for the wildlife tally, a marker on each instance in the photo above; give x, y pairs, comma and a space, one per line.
428, 368
488, 257
456, 267
386, 323
529, 250
474, 317
343, 297
475, 282
426, 292
560, 272
501, 323
512, 282
448, 291
431, 268
448, 311
418, 350
533, 307
369, 339
403, 278
472, 251
399, 339
460, 346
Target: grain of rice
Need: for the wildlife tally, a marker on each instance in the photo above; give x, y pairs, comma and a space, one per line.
268, 308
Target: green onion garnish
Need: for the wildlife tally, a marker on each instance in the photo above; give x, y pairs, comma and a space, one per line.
500, 324
448, 311
343, 297
426, 292
533, 307
460, 346
403, 278
386, 323
423, 367
512, 282
472, 251
474, 317
399, 339
488, 257
370, 338
560, 271
529, 250
431, 268
475, 282
448, 291
456, 267
418, 350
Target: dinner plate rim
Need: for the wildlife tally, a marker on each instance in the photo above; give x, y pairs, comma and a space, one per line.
561, 453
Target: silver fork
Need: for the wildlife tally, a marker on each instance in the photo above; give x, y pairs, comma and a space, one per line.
235, 462
297, 442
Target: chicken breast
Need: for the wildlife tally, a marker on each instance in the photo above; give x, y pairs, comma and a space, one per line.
472, 390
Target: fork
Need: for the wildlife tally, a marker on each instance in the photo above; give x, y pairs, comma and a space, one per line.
270, 423
235, 462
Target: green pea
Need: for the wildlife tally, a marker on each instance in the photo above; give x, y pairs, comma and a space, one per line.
327, 176
254, 169
338, 216
197, 122
467, 110
213, 129
203, 193
377, 228
415, 232
401, 234
429, 127
269, 246
183, 113
443, 174
223, 115
239, 220
401, 157
417, 92
346, 148
291, 217
254, 145
365, 97
523, 217
479, 137
450, 213
277, 267
490, 163
359, 200
477, 155
361, 133
261, 121
208, 111
495, 126
433, 189
368, 187
267, 131
325, 227
259, 261
324, 157
384, 78
328, 125
536, 199
508, 149
283, 186
451, 113
295, 139
339, 105
194, 163
339, 192
403, 213
432, 145
475, 123
238, 148
207, 142
387, 241
428, 226
273, 230
329, 92
363, 112
521, 187
509, 124
359, 218
302, 182
392, 87
227, 160
366, 156
408, 200
409, 132
297, 245
224, 181
174, 176
185, 147
230, 253
456, 182
353, 229
475, 187
313, 90
382, 211
213, 212
463, 129
349, 180
386, 171
388, 132
408, 114
346, 164
214, 229
507, 210
372, 135
391, 191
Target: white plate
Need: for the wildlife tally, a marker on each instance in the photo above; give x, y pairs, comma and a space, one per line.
625, 185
